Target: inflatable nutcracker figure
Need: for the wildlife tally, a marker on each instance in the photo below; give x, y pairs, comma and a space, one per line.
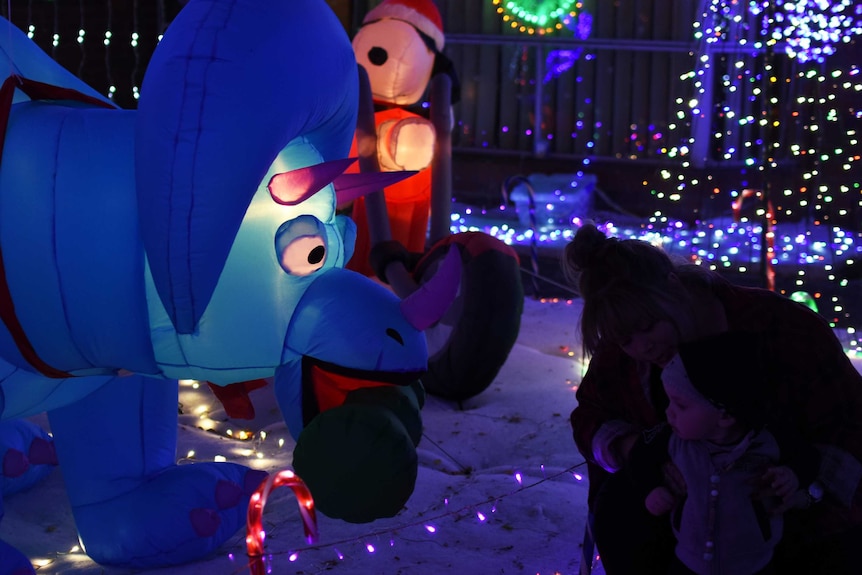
399, 50
400, 46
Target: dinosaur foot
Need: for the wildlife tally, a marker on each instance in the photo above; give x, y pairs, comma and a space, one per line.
26, 455
13, 562
182, 514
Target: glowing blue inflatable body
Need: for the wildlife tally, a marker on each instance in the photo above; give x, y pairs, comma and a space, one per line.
192, 238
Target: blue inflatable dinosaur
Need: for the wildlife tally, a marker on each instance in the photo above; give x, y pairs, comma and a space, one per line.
197, 238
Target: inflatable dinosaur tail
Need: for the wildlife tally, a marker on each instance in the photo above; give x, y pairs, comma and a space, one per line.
20, 56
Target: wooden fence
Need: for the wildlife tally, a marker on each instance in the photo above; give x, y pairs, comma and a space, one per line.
617, 82
581, 98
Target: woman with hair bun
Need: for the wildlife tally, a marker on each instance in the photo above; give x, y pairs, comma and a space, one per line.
639, 305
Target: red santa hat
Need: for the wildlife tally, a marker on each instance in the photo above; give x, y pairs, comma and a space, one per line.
423, 14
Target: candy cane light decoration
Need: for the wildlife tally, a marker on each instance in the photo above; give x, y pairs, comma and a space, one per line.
769, 222
255, 534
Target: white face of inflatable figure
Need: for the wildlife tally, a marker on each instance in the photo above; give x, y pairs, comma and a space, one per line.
397, 60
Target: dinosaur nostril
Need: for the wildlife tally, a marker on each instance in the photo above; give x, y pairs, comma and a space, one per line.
377, 56
395, 335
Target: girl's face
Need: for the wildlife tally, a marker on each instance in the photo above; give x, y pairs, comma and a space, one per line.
655, 342
690, 415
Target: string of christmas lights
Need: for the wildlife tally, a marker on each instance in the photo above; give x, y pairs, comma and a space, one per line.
56, 35
112, 89
200, 409
31, 28
812, 28
80, 39
429, 524
537, 16
768, 117
728, 244
772, 107
137, 57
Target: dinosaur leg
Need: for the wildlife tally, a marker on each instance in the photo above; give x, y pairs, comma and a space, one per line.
133, 505
26, 457
12, 561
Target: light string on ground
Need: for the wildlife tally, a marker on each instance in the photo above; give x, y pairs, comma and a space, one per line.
426, 521
569, 289
463, 467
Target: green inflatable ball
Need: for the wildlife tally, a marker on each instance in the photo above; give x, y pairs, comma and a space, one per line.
404, 401
358, 461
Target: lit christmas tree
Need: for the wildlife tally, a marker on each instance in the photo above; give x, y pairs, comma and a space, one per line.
777, 101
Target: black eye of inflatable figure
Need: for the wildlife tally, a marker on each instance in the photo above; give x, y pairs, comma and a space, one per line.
377, 56
300, 246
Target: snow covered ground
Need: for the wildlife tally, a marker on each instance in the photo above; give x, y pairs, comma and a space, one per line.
501, 486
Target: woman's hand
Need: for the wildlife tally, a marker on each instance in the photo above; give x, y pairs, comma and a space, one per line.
623, 446
673, 479
660, 501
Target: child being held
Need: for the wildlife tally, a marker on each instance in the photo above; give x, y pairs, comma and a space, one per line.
721, 450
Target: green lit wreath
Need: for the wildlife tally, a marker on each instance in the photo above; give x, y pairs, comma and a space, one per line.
536, 16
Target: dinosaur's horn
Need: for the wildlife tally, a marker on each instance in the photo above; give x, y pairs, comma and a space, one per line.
425, 306
348, 187
296, 186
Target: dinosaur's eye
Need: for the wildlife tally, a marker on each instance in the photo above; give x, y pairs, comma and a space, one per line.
303, 255
300, 246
